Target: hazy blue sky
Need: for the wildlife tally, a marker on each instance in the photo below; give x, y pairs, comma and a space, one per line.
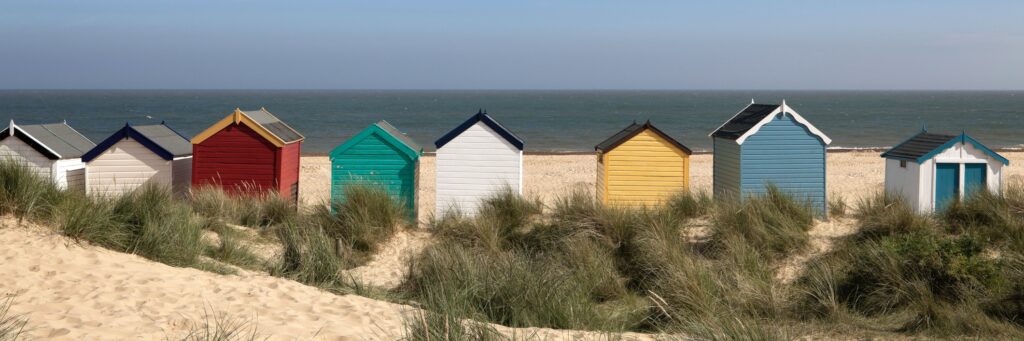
380, 44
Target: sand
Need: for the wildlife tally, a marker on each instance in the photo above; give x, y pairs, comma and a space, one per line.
76, 291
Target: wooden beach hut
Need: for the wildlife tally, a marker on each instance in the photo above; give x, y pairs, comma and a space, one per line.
53, 151
249, 152
930, 170
641, 165
475, 160
770, 144
381, 156
135, 155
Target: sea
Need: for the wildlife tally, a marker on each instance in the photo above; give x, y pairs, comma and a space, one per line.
559, 121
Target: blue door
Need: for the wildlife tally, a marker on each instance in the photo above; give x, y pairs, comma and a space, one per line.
947, 183
974, 177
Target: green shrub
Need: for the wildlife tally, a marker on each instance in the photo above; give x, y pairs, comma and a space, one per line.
366, 218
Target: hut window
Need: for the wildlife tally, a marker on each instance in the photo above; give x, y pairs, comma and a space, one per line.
903, 163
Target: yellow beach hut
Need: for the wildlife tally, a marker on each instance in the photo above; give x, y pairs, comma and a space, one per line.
641, 165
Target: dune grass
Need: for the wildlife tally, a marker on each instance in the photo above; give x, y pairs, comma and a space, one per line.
12, 326
216, 326
257, 210
583, 265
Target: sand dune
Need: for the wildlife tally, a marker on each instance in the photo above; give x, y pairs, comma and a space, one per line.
76, 291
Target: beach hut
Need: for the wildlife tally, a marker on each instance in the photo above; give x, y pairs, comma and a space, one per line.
475, 160
135, 155
641, 165
249, 152
54, 151
380, 156
770, 144
930, 170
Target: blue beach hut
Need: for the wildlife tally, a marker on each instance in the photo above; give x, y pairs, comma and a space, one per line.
381, 156
770, 144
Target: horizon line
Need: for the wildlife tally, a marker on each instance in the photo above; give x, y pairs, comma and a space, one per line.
511, 89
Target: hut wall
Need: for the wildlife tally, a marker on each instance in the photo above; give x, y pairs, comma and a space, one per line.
61, 169
906, 182
645, 170
726, 169
236, 159
473, 166
375, 162
124, 167
786, 154
16, 150
287, 177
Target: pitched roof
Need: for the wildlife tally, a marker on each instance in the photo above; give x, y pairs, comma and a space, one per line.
631, 131
262, 121
55, 140
400, 136
274, 125
744, 121
166, 138
486, 119
160, 139
749, 121
918, 145
389, 133
925, 145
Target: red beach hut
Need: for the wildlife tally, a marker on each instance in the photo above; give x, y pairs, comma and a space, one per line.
246, 152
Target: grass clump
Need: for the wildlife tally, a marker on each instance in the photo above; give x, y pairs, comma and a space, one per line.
23, 192
309, 256
774, 222
262, 209
12, 326
232, 250
222, 327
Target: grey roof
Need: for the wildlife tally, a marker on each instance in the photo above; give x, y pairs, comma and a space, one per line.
274, 125
399, 135
917, 146
166, 138
742, 122
60, 138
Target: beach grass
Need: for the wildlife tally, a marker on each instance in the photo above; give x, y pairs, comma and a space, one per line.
12, 326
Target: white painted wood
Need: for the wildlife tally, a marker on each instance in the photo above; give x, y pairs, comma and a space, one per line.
181, 173
473, 166
916, 183
124, 167
16, 150
61, 168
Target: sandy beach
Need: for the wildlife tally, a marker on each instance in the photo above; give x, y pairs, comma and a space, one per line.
77, 291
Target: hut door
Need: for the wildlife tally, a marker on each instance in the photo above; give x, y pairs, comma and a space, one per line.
76, 180
947, 183
974, 177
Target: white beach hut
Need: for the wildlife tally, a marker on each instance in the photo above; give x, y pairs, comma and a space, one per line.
53, 151
475, 160
930, 170
135, 155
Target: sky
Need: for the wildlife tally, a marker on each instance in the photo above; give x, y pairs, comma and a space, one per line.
525, 44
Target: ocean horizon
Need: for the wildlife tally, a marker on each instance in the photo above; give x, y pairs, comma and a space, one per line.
550, 121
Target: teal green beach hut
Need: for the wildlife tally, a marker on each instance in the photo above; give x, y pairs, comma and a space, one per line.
770, 144
380, 156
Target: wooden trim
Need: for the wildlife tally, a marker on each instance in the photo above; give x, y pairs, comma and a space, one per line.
238, 117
